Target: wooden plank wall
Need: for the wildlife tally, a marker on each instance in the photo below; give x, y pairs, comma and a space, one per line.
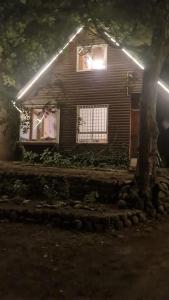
71, 88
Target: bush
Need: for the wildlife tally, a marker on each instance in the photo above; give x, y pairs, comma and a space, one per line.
30, 156
20, 188
104, 159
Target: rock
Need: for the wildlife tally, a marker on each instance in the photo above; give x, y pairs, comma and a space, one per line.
39, 206
125, 188
66, 224
118, 224
151, 212
164, 186
73, 203
4, 197
3, 200
127, 223
161, 209
125, 196
135, 220
99, 227
167, 206
13, 216
88, 225
122, 204
77, 206
77, 224
18, 200
159, 216
58, 204
161, 195
26, 201
165, 213
142, 217
88, 208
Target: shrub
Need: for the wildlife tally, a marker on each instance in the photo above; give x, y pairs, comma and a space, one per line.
104, 159
30, 156
20, 188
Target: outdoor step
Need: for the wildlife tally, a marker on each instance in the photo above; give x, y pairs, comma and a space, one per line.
71, 218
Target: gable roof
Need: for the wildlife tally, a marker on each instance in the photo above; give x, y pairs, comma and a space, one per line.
44, 68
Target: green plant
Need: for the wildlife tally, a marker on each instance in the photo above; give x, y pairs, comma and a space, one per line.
109, 158
20, 188
30, 156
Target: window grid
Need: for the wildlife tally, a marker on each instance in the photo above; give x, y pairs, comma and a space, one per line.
92, 123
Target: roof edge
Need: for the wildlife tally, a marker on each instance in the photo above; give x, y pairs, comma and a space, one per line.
42, 70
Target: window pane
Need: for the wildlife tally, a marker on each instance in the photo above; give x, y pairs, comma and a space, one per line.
50, 125
100, 119
37, 124
99, 57
92, 57
84, 58
44, 124
92, 124
24, 127
85, 119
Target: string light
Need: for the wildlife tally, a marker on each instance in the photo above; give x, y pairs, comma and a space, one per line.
18, 109
163, 86
160, 83
25, 89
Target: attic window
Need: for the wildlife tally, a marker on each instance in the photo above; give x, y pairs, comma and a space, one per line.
40, 124
92, 123
92, 57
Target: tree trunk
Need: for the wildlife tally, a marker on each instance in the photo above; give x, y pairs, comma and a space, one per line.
146, 166
148, 129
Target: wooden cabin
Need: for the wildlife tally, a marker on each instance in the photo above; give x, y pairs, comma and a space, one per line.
87, 99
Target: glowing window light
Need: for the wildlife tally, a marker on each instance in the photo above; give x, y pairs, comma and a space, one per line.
98, 64
45, 67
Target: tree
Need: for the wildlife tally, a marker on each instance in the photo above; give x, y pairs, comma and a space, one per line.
30, 31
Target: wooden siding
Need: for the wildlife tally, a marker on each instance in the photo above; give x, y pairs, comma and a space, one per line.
70, 88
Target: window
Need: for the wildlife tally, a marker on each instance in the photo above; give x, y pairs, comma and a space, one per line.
92, 123
92, 58
40, 124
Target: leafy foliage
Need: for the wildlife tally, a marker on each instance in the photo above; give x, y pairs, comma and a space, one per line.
105, 159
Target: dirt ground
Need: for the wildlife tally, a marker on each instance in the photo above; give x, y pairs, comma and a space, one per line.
41, 263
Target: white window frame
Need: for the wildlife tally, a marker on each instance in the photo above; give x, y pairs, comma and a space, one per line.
92, 69
30, 140
92, 132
